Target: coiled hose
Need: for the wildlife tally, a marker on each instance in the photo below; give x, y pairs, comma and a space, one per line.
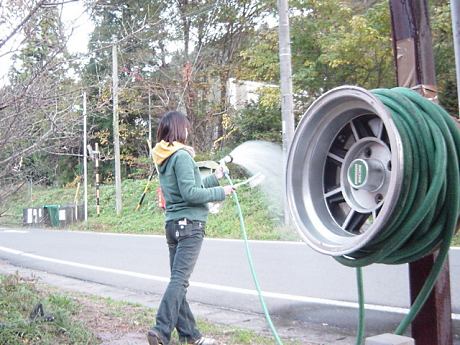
427, 211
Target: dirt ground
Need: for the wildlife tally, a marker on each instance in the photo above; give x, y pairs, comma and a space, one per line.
116, 323
112, 328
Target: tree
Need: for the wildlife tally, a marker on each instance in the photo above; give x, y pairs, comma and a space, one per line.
182, 53
261, 120
38, 110
138, 29
332, 43
443, 49
230, 29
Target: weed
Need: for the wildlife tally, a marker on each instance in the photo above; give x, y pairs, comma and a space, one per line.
19, 297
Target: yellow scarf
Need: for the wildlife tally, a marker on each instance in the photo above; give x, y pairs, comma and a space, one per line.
163, 150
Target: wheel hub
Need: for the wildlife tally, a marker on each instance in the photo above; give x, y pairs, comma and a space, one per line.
365, 175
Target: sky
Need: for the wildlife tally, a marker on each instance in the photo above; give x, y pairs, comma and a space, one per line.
74, 18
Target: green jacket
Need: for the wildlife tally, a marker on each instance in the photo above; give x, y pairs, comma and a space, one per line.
186, 194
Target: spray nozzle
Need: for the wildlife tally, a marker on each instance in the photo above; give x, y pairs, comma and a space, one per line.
227, 159
223, 164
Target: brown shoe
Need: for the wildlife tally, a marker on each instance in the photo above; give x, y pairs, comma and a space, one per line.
153, 338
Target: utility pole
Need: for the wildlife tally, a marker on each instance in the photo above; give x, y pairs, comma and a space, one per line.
287, 104
455, 12
116, 133
150, 117
85, 161
413, 55
96, 166
94, 155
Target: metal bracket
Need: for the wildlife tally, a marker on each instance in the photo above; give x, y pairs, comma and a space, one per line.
430, 92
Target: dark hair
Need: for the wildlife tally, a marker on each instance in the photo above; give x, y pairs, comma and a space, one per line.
172, 127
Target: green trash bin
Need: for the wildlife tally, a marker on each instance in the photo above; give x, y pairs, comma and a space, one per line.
53, 214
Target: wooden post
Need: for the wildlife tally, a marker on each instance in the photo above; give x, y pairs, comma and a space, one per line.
85, 162
96, 166
116, 133
75, 199
455, 14
150, 116
287, 103
413, 54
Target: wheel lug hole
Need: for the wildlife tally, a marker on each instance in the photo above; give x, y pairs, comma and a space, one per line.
367, 152
378, 198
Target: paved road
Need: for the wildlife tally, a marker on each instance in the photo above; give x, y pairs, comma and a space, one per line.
298, 283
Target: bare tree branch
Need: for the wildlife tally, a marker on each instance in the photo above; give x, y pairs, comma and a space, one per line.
22, 23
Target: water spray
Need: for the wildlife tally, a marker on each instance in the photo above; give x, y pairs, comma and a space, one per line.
253, 181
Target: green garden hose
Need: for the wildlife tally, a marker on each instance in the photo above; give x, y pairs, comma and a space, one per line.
427, 210
251, 266
361, 320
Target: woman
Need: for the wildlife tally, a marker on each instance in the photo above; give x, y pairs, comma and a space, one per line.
186, 196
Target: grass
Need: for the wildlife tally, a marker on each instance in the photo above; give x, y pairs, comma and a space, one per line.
18, 300
456, 240
84, 319
262, 223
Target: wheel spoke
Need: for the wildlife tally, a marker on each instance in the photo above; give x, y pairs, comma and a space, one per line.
333, 192
376, 125
354, 221
336, 198
348, 219
362, 128
354, 130
335, 157
377, 211
380, 129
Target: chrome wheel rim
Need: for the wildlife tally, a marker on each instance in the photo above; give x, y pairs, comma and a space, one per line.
344, 171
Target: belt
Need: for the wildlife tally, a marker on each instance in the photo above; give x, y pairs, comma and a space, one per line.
186, 221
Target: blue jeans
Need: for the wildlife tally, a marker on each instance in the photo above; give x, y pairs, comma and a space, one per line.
174, 311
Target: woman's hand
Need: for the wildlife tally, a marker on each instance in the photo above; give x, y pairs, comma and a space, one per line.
220, 172
228, 190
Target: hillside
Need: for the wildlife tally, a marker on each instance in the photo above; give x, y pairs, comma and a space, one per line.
262, 222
